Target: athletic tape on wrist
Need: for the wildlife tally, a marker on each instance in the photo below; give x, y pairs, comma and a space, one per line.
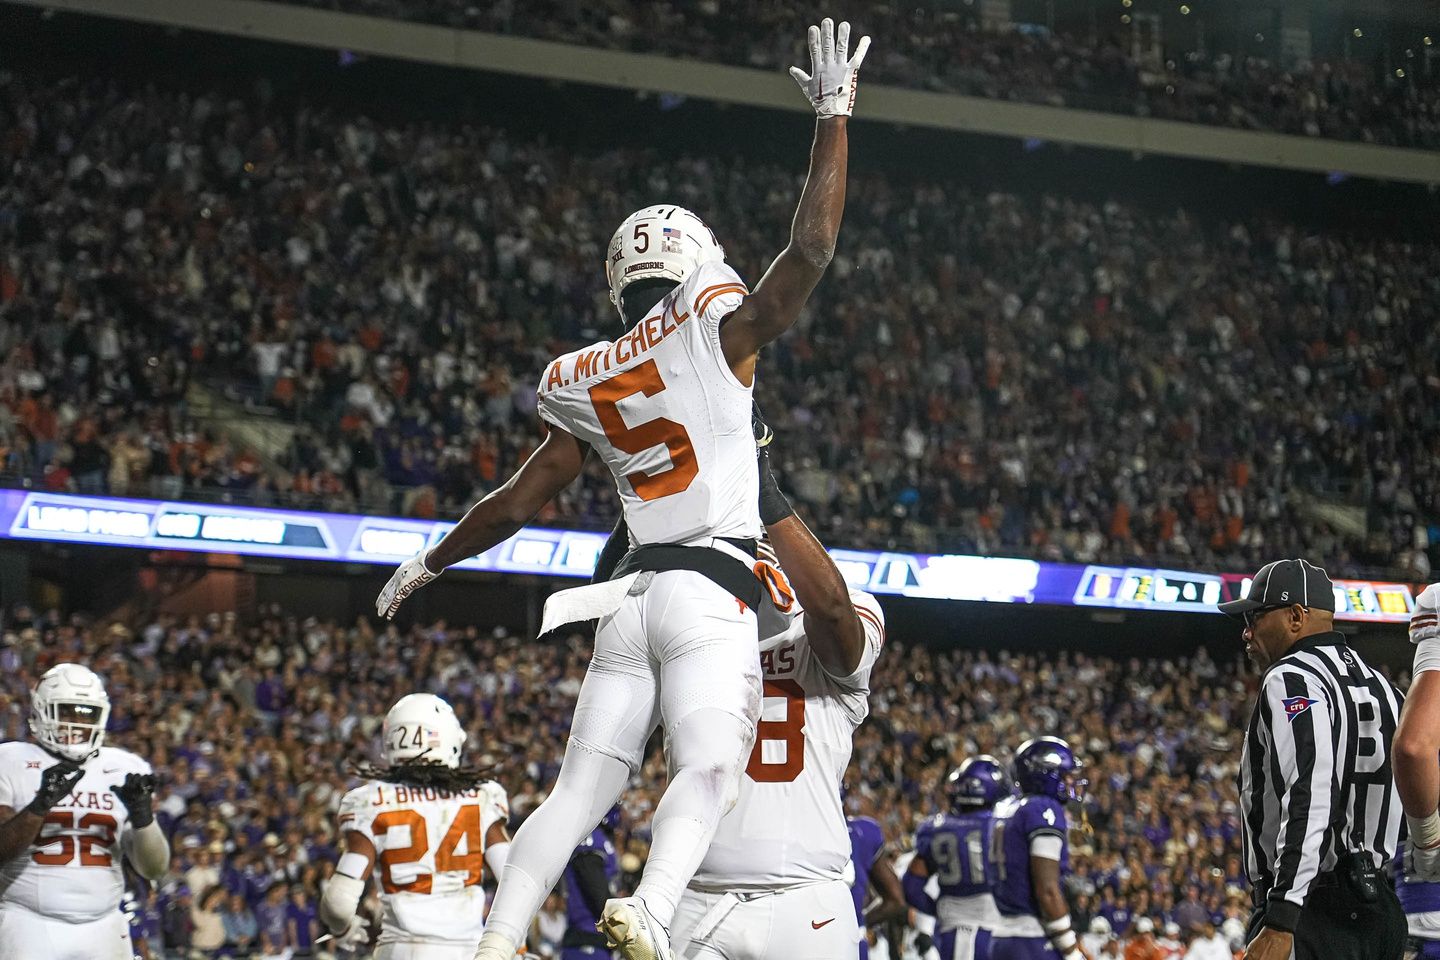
1425, 832
1058, 925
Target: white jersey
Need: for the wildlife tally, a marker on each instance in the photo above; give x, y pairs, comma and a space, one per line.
430, 855
788, 825
669, 417
73, 871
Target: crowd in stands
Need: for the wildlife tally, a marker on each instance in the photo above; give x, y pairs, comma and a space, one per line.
978, 373
254, 724
942, 47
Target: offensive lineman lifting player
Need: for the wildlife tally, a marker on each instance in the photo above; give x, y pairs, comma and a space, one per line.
667, 405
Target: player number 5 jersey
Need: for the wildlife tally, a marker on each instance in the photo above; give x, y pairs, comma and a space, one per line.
669, 417
74, 871
430, 855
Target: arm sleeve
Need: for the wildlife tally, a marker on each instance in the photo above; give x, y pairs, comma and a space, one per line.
150, 851
589, 868
915, 894
1297, 714
1047, 846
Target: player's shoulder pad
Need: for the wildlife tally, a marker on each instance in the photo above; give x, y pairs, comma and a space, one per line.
112, 757
495, 794
1040, 813
1425, 621
14, 749
354, 802
711, 291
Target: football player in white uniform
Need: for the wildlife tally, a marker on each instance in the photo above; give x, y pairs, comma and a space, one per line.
667, 406
432, 827
774, 884
71, 810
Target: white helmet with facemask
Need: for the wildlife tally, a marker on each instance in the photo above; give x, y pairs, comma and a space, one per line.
68, 712
662, 242
422, 728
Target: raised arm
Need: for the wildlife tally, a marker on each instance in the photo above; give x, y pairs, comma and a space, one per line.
776, 301
499, 516
1416, 753
831, 623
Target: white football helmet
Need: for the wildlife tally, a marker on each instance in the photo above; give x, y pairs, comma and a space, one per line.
68, 712
422, 728
663, 241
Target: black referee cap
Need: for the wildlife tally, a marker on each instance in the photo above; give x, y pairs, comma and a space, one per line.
1284, 582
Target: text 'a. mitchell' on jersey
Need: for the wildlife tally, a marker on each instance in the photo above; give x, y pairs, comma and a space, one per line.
788, 825
430, 855
663, 409
73, 871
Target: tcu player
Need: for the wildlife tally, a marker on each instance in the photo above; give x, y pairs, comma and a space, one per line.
1030, 852
589, 883
432, 827
667, 407
66, 825
954, 848
872, 866
772, 884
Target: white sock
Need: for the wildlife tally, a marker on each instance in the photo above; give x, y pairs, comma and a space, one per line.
495, 946
588, 785
707, 751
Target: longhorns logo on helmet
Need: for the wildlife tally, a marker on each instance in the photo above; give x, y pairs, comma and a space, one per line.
1046, 766
978, 783
660, 242
68, 712
422, 728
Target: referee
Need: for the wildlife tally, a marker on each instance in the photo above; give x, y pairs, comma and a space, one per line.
1321, 812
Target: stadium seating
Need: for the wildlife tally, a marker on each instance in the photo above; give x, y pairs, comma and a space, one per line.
982, 373
941, 47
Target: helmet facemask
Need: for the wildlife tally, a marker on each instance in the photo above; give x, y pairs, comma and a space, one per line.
69, 728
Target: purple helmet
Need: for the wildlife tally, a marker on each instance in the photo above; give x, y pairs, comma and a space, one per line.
977, 784
1046, 766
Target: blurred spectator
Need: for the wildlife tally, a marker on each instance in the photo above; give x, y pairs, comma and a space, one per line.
986, 374
942, 47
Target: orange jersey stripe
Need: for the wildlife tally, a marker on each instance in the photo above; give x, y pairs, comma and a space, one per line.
873, 619
710, 293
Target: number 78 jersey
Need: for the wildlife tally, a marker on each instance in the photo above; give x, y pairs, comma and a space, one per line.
788, 825
671, 420
430, 855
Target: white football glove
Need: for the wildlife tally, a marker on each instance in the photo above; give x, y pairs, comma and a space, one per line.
1422, 863
407, 578
830, 84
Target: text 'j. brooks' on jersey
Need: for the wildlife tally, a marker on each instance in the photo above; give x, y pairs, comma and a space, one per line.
430, 855
668, 416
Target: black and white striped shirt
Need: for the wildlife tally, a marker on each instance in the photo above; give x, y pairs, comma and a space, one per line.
1315, 774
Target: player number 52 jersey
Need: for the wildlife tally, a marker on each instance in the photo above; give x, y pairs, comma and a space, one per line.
430, 855
74, 870
669, 417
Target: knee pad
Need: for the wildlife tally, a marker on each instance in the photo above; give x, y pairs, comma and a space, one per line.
713, 745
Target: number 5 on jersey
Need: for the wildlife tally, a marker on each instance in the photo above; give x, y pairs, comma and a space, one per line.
605, 398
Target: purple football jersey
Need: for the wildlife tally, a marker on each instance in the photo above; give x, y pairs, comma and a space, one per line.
867, 841
955, 849
577, 912
1017, 822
